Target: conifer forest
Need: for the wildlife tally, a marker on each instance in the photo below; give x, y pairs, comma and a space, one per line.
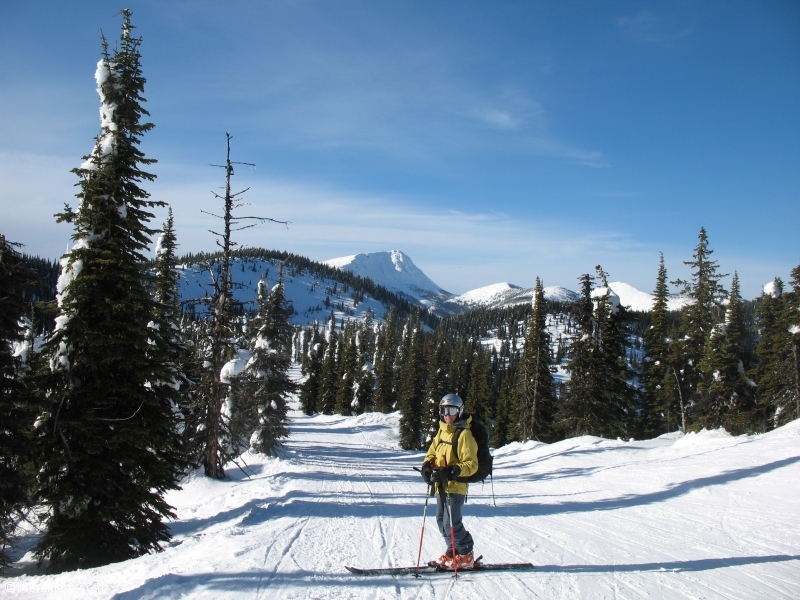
115, 387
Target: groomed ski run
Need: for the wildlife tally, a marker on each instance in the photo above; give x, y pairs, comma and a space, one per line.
698, 516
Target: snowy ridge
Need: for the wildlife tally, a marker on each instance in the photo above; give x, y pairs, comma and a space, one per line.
705, 515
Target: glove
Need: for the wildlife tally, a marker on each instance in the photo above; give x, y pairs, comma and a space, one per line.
442, 475
453, 471
426, 472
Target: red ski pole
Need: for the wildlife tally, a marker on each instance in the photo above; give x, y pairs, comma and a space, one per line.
449, 506
424, 516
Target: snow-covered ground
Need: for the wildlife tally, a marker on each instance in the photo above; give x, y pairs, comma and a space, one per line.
699, 516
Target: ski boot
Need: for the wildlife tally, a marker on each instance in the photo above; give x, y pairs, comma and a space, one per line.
445, 561
463, 561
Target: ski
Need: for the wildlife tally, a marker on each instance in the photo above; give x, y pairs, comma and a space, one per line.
430, 569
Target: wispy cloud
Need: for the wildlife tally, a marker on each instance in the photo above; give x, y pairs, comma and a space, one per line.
458, 249
651, 28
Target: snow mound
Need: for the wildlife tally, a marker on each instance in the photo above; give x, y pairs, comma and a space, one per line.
634, 299
486, 294
702, 438
772, 289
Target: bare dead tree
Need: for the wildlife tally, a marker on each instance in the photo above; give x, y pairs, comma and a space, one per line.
222, 316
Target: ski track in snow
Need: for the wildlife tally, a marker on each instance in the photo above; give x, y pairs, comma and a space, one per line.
700, 516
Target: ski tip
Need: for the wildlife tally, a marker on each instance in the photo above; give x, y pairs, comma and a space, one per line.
355, 570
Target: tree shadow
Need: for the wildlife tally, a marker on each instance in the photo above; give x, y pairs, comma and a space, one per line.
703, 564
366, 505
171, 585
629, 500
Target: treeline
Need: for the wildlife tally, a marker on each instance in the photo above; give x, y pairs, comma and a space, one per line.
719, 362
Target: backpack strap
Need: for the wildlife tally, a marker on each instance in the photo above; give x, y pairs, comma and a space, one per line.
455, 442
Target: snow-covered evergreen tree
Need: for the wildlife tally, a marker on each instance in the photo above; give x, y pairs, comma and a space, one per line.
778, 352
412, 387
330, 370
598, 398
108, 448
166, 339
264, 386
364, 385
347, 374
697, 319
535, 393
725, 395
385, 351
479, 394
662, 411
311, 387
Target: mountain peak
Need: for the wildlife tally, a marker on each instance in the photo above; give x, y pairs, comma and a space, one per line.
394, 270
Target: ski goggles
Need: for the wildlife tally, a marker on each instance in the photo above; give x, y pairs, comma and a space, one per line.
448, 410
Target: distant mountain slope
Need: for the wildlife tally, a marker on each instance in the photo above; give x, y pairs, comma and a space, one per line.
395, 271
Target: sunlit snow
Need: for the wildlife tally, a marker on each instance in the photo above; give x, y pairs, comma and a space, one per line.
706, 515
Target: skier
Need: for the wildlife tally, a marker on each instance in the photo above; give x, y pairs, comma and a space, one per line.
443, 465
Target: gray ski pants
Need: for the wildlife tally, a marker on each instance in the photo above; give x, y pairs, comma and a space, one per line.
464, 541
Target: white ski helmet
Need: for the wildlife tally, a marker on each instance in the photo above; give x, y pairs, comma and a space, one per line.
453, 400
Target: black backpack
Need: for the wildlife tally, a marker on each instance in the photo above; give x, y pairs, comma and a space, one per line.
481, 434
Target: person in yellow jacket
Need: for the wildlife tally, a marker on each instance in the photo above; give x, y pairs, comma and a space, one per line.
443, 465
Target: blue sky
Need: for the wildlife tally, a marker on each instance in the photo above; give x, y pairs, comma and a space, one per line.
490, 141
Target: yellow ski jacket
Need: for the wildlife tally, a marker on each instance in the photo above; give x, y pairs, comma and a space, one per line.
441, 449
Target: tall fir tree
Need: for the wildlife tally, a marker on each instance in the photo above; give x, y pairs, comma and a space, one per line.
412, 387
347, 373
330, 370
661, 412
725, 395
598, 398
107, 442
385, 351
479, 394
311, 387
611, 341
15, 395
503, 431
364, 385
697, 321
536, 394
166, 341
